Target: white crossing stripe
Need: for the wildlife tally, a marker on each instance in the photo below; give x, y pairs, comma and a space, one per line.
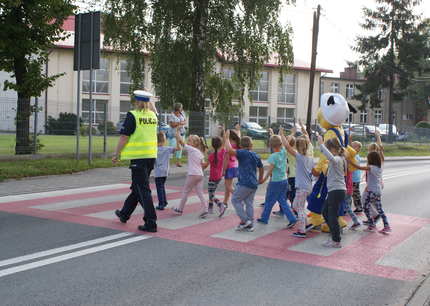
314, 245
52, 260
66, 248
275, 224
405, 255
82, 202
33, 196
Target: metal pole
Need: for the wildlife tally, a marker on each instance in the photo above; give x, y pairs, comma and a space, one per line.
78, 93
46, 97
105, 132
36, 106
90, 143
315, 30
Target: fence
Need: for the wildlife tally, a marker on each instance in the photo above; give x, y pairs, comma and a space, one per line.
57, 134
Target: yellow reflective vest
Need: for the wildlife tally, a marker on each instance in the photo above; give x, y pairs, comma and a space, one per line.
143, 142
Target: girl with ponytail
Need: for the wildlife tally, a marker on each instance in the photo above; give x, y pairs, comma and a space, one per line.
195, 148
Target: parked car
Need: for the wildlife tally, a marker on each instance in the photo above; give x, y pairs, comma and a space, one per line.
384, 129
370, 129
254, 130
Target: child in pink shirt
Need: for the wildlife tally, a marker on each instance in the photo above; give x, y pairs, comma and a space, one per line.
231, 167
216, 162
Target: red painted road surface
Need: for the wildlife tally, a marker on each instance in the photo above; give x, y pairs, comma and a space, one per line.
358, 255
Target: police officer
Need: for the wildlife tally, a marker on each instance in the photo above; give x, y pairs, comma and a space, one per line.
138, 143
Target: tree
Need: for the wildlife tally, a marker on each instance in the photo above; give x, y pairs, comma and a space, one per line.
184, 37
391, 54
29, 29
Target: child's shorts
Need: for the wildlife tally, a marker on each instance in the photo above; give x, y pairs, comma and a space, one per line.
231, 173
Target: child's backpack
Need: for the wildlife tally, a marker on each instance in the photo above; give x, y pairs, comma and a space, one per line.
318, 195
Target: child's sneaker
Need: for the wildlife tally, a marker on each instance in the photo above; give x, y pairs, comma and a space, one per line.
211, 208
261, 221
332, 244
250, 227
355, 226
291, 224
386, 230
370, 229
244, 225
222, 208
299, 235
203, 215
278, 213
177, 210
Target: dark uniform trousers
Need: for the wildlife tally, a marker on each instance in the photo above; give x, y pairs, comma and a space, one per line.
140, 191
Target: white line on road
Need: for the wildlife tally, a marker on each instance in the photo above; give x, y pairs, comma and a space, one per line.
32, 196
52, 260
66, 248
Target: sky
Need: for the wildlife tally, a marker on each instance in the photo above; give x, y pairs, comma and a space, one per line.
339, 26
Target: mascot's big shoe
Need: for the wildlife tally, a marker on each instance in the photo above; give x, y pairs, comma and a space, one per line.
334, 110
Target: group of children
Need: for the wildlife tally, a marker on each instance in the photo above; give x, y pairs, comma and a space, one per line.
290, 173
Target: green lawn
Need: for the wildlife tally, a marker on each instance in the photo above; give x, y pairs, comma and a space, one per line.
59, 144
15, 169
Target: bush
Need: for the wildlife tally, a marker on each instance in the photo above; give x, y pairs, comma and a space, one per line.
423, 125
64, 125
110, 128
84, 130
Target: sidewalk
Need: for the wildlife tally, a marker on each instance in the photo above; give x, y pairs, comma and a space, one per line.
103, 176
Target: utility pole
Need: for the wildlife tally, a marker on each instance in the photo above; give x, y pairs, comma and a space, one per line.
315, 29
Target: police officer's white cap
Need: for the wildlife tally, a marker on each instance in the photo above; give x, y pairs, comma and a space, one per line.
142, 95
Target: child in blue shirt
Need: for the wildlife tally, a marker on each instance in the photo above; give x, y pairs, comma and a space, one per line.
278, 186
162, 166
243, 195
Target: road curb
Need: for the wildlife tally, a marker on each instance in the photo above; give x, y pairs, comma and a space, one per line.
421, 296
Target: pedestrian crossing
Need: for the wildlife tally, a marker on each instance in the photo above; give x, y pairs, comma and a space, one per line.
95, 206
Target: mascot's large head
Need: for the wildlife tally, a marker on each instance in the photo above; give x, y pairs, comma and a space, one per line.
334, 110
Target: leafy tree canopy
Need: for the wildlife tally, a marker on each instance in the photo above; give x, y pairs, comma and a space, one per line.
184, 37
391, 55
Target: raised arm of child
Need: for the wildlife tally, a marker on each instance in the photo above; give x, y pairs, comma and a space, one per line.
304, 132
324, 149
227, 143
286, 142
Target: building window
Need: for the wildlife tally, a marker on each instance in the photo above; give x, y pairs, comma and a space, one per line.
363, 117
349, 90
259, 115
380, 94
124, 107
100, 78
408, 117
350, 118
287, 90
321, 87
98, 110
285, 115
261, 93
227, 73
334, 87
378, 116
124, 78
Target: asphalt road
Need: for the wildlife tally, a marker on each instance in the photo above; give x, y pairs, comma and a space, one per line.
157, 271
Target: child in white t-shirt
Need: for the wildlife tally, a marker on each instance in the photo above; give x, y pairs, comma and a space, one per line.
195, 148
